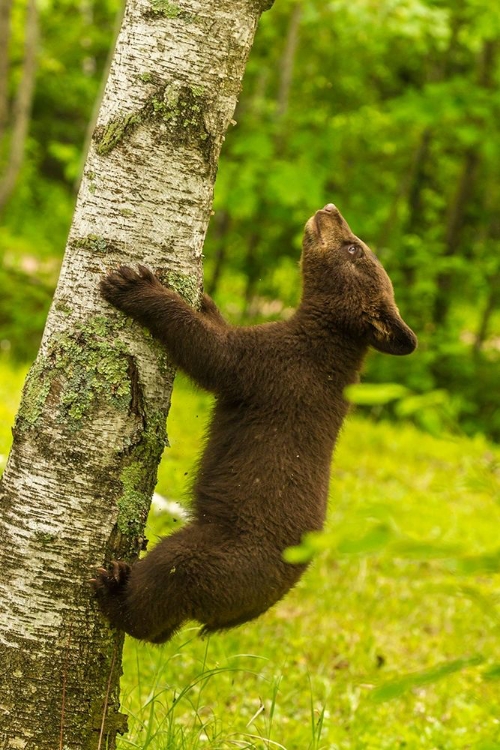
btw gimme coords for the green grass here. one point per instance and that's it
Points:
(391, 640)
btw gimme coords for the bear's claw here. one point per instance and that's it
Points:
(109, 580)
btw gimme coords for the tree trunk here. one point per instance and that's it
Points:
(411, 188)
(222, 222)
(456, 220)
(466, 187)
(91, 427)
(252, 270)
(288, 61)
(97, 102)
(492, 302)
(5, 13)
(490, 306)
(22, 105)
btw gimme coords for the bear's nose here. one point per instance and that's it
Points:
(330, 207)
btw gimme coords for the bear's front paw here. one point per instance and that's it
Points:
(125, 287)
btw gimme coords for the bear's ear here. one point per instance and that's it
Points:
(389, 333)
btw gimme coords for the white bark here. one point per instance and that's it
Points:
(90, 430)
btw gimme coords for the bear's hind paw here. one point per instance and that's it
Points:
(111, 580)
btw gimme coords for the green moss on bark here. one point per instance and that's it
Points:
(95, 367)
(138, 477)
(134, 502)
(63, 307)
(98, 245)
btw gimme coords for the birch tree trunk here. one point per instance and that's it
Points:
(91, 427)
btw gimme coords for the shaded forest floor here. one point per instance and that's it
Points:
(389, 641)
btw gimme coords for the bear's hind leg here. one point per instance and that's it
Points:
(201, 572)
(110, 586)
(112, 589)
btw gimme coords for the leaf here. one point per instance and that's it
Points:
(375, 394)
(311, 543)
(414, 549)
(477, 564)
(297, 555)
(492, 673)
(374, 540)
(396, 688)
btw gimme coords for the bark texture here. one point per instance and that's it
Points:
(91, 426)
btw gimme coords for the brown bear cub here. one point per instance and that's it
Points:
(263, 477)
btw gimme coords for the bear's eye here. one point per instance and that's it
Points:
(354, 250)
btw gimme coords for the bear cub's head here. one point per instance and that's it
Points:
(345, 282)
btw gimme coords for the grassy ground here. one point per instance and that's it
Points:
(389, 641)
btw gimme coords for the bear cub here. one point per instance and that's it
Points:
(263, 478)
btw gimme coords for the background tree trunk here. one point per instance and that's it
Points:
(5, 13)
(288, 61)
(222, 222)
(466, 187)
(91, 427)
(22, 105)
(97, 103)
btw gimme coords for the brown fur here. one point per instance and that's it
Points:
(263, 477)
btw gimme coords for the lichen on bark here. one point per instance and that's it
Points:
(184, 284)
(180, 110)
(82, 365)
(166, 8)
(108, 137)
(93, 243)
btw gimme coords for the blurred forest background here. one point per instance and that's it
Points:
(388, 108)
(391, 110)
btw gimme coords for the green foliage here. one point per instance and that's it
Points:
(390, 109)
(24, 301)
